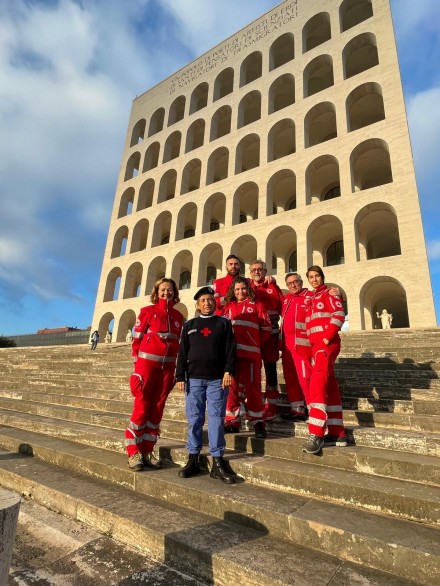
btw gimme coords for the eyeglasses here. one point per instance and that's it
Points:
(258, 270)
(290, 283)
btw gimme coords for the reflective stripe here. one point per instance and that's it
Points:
(270, 388)
(302, 342)
(248, 348)
(334, 422)
(192, 331)
(296, 404)
(235, 413)
(267, 328)
(156, 358)
(243, 322)
(138, 335)
(272, 312)
(271, 401)
(255, 413)
(146, 437)
(300, 325)
(316, 329)
(132, 425)
(320, 406)
(151, 425)
(319, 314)
(164, 335)
(332, 408)
(139, 376)
(336, 321)
(315, 421)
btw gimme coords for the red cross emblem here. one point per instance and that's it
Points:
(205, 332)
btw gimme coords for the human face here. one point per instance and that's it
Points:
(258, 273)
(315, 279)
(294, 284)
(206, 304)
(165, 291)
(241, 291)
(233, 267)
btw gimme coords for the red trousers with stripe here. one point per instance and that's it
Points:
(324, 399)
(245, 389)
(150, 387)
(297, 370)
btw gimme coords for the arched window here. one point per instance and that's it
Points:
(335, 254)
(214, 226)
(189, 232)
(332, 193)
(293, 262)
(211, 275)
(185, 280)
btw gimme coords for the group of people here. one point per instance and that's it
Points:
(216, 360)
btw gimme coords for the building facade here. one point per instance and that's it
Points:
(287, 142)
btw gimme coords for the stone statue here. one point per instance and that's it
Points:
(108, 337)
(129, 336)
(386, 319)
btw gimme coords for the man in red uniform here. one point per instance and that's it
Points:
(324, 318)
(295, 346)
(222, 285)
(271, 297)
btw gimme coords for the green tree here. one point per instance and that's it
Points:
(7, 342)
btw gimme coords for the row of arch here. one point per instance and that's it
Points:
(360, 54)
(369, 163)
(364, 106)
(374, 295)
(376, 234)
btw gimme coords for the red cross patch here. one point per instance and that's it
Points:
(206, 332)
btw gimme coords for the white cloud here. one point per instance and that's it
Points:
(433, 250)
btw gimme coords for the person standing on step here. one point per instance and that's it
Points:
(154, 349)
(205, 365)
(271, 297)
(221, 286)
(94, 339)
(252, 329)
(324, 318)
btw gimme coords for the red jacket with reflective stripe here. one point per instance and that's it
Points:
(251, 325)
(293, 322)
(271, 297)
(221, 287)
(157, 333)
(324, 315)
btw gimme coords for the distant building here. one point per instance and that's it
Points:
(289, 142)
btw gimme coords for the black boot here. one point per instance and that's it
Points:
(191, 468)
(218, 471)
(228, 468)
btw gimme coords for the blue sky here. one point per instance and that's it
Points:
(69, 70)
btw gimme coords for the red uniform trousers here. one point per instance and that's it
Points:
(150, 387)
(245, 387)
(297, 371)
(270, 355)
(325, 408)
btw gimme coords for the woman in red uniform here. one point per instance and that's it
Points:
(324, 318)
(155, 348)
(252, 328)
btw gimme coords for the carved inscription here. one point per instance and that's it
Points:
(272, 22)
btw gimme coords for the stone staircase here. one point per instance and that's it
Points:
(365, 514)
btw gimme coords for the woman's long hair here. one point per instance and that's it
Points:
(230, 295)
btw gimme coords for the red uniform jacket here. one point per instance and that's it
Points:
(221, 287)
(251, 325)
(293, 321)
(324, 315)
(271, 297)
(157, 334)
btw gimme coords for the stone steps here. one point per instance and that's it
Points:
(289, 527)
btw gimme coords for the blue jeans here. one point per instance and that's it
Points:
(200, 392)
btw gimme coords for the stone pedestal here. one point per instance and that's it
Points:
(9, 508)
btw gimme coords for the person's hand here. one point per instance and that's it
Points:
(181, 386)
(334, 291)
(227, 380)
(269, 279)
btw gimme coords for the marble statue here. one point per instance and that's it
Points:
(385, 318)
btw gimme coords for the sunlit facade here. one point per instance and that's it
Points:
(288, 142)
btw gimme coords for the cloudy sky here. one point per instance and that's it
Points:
(69, 70)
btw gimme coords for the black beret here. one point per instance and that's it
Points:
(204, 291)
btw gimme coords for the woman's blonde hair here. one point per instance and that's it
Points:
(154, 297)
